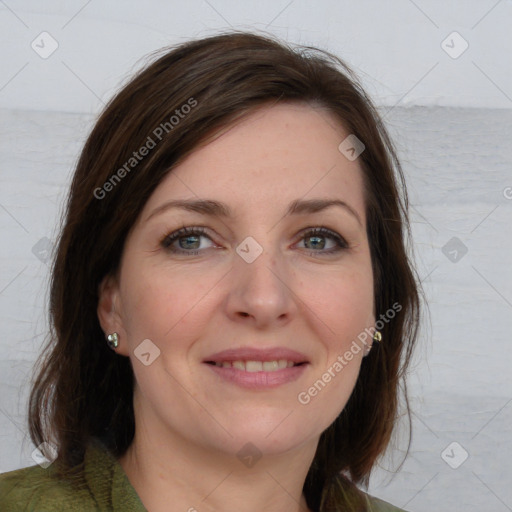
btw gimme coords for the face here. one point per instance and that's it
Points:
(228, 322)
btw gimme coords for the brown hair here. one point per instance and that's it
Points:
(83, 389)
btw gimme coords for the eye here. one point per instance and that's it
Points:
(189, 241)
(188, 238)
(315, 239)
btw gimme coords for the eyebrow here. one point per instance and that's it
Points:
(214, 208)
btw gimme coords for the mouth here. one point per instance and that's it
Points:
(258, 368)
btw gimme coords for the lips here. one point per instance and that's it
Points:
(258, 368)
(262, 355)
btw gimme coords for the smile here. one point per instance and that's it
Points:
(256, 366)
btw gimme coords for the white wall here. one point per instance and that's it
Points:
(452, 121)
(396, 45)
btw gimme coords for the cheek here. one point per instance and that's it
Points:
(345, 315)
(344, 303)
(162, 303)
(146, 299)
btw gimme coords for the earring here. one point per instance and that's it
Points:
(377, 338)
(113, 340)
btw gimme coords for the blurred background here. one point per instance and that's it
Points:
(441, 75)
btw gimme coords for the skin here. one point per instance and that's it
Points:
(190, 424)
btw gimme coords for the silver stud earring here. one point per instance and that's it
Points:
(113, 340)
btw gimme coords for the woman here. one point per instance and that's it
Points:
(232, 304)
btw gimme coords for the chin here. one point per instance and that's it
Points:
(269, 436)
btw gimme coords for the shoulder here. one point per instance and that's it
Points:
(378, 505)
(101, 485)
(35, 488)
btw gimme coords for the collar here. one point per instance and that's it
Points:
(107, 481)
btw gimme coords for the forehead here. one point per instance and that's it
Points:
(271, 157)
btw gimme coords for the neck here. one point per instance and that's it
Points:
(167, 470)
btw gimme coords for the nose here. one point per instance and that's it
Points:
(261, 291)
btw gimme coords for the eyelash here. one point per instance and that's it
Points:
(168, 240)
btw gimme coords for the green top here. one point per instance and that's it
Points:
(106, 488)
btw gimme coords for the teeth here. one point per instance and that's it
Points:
(253, 366)
(270, 366)
(257, 366)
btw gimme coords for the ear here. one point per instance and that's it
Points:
(110, 311)
(369, 341)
